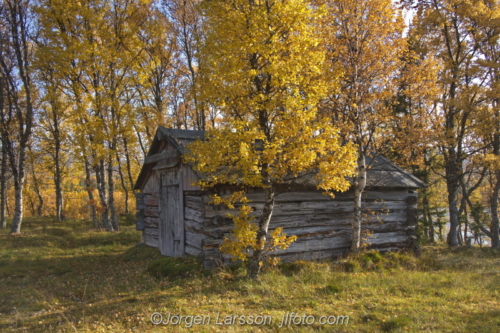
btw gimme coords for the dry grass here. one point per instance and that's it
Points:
(65, 277)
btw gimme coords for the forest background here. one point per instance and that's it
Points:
(83, 86)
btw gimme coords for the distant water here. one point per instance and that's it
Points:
(485, 240)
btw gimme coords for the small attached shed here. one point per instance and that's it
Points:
(176, 217)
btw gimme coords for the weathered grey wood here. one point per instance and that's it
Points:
(152, 184)
(387, 238)
(151, 231)
(313, 255)
(411, 230)
(318, 241)
(151, 200)
(412, 216)
(139, 201)
(150, 237)
(193, 214)
(212, 258)
(150, 241)
(139, 224)
(310, 220)
(151, 211)
(209, 232)
(175, 214)
(308, 208)
(371, 195)
(209, 243)
(387, 248)
(412, 199)
(194, 239)
(165, 164)
(161, 156)
(193, 224)
(189, 177)
(193, 202)
(290, 196)
(152, 222)
(387, 226)
(310, 230)
(171, 214)
(191, 251)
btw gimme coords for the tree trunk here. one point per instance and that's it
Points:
(265, 218)
(466, 225)
(425, 228)
(122, 180)
(495, 225)
(3, 189)
(101, 187)
(129, 169)
(440, 228)
(111, 195)
(31, 205)
(88, 184)
(359, 186)
(452, 238)
(36, 185)
(432, 232)
(59, 193)
(7, 208)
(428, 218)
(18, 173)
(57, 168)
(459, 233)
(139, 138)
(18, 211)
(495, 242)
(453, 185)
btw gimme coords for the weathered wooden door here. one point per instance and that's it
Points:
(171, 233)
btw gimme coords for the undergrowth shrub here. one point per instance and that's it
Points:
(332, 289)
(375, 261)
(175, 268)
(140, 253)
(128, 219)
(292, 268)
(396, 324)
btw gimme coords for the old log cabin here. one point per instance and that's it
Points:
(176, 216)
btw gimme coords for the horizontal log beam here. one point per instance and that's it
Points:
(161, 156)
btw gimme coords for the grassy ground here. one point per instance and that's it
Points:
(65, 277)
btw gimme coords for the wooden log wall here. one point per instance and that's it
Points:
(150, 210)
(322, 225)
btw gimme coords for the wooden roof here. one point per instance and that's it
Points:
(381, 171)
(179, 138)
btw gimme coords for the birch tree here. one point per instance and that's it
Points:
(18, 31)
(364, 40)
(443, 28)
(265, 72)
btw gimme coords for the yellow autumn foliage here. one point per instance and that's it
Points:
(265, 73)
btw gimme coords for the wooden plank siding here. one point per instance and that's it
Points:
(322, 225)
(171, 223)
(175, 216)
(189, 177)
(150, 234)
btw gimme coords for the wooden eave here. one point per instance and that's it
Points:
(178, 138)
